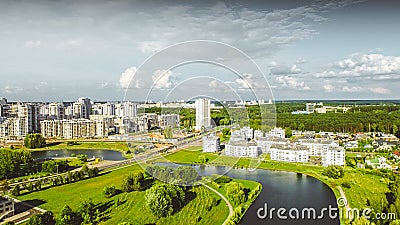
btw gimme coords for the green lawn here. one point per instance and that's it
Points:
(133, 208)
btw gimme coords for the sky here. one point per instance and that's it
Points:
(62, 50)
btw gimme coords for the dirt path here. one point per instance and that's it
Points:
(231, 212)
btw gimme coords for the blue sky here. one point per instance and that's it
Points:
(61, 50)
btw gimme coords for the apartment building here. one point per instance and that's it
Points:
(289, 153)
(211, 143)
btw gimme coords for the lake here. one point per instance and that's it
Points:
(280, 189)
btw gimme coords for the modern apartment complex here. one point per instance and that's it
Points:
(281, 148)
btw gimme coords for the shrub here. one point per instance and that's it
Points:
(334, 172)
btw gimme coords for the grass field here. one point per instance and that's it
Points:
(133, 207)
(363, 186)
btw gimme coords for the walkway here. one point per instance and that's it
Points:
(231, 212)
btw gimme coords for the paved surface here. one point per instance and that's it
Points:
(231, 212)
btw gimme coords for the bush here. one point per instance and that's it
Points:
(346, 184)
(110, 191)
(334, 172)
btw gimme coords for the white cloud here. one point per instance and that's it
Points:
(329, 88)
(351, 89)
(33, 44)
(285, 70)
(246, 81)
(213, 84)
(292, 82)
(379, 90)
(70, 45)
(150, 46)
(369, 66)
(162, 79)
(126, 77)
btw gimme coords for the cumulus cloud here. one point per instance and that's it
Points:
(126, 77)
(151, 46)
(33, 44)
(370, 66)
(285, 70)
(213, 84)
(379, 90)
(247, 81)
(162, 79)
(292, 82)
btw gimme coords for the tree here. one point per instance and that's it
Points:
(68, 217)
(185, 175)
(34, 141)
(168, 134)
(235, 192)
(164, 199)
(46, 218)
(203, 159)
(110, 191)
(87, 211)
(333, 171)
(85, 169)
(133, 182)
(16, 190)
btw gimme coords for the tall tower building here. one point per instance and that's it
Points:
(203, 117)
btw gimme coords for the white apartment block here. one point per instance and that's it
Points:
(14, 128)
(211, 144)
(244, 132)
(242, 149)
(126, 109)
(168, 120)
(75, 128)
(317, 147)
(266, 142)
(289, 153)
(203, 115)
(334, 155)
(258, 134)
(277, 132)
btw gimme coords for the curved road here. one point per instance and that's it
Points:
(231, 212)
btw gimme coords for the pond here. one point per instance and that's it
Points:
(63, 153)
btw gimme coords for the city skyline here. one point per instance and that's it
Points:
(306, 49)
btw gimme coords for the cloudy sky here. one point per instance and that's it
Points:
(61, 50)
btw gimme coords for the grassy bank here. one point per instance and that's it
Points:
(133, 208)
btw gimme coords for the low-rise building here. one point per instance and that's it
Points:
(333, 155)
(277, 132)
(211, 143)
(289, 153)
(242, 148)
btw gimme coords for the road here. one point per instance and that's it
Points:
(231, 212)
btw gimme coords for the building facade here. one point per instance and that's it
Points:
(203, 115)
